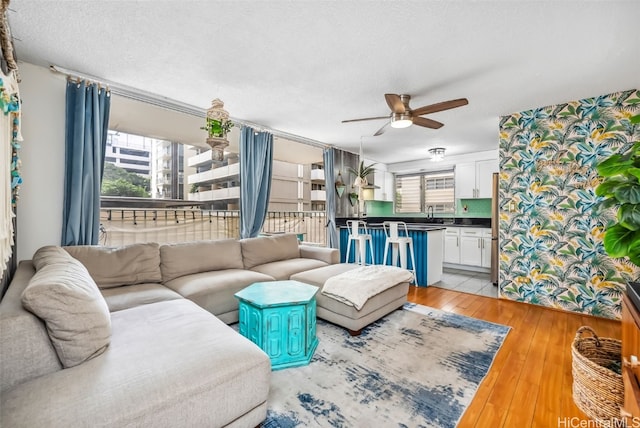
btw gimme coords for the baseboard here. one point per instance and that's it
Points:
(466, 267)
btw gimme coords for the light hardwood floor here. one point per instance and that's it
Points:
(529, 384)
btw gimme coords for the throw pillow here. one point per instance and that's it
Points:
(267, 249)
(76, 315)
(127, 265)
(49, 255)
(202, 256)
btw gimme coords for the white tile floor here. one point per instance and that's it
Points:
(468, 282)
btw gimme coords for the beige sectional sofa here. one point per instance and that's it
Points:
(167, 358)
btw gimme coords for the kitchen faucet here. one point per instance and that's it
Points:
(430, 207)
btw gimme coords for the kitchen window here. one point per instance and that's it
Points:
(415, 193)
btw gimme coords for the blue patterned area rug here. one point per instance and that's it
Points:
(416, 367)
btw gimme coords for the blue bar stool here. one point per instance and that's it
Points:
(398, 239)
(361, 240)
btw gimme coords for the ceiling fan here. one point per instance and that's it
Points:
(402, 116)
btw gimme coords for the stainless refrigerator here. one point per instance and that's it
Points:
(495, 212)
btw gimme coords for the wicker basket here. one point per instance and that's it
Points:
(597, 390)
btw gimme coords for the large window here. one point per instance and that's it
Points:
(417, 193)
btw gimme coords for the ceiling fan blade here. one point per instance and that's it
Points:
(427, 123)
(395, 103)
(381, 130)
(445, 105)
(366, 118)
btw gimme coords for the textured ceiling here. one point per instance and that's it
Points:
(302, 67)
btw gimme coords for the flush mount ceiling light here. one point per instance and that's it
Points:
(437, 154)
(401, 120)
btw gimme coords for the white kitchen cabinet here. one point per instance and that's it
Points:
(468, 247)
(383, 180)
(484, 177)
(471, 246)
(486, 248)
(474, 179)
(465, 180)
(452, 245)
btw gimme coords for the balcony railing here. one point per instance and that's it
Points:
(123, 226)
(317, 175)
(217, 174)
(318, 195)
(223, 194)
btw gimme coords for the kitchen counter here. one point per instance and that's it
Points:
(428, 248)
(427, 227)
(426, 221)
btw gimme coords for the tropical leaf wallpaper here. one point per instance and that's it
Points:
(551, 250)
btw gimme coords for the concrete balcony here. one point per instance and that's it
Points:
(201, 159)
(216, 195)
(318, 195)
(218, 174)
(317, 175)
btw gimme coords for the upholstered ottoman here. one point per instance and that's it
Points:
(346, 315)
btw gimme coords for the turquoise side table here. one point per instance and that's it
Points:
(280, 317)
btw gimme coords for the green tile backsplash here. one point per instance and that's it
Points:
(475, 207)
(379, 209)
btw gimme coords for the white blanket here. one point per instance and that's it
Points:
(356, 286)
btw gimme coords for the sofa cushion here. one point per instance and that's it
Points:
(129, 296)
(75, 313)
(214, 290)
(283, 269)
(26, 352)
(48, 255)
(170, 364)
(319, 276)
(201, 256)
(113, 267)
(267, 249)
(326, 254)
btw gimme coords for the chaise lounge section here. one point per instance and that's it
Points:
(344, 314)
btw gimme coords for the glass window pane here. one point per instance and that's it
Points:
(439, 191)
(408, 193)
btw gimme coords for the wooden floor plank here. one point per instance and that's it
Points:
(530, 381)
(548, 406)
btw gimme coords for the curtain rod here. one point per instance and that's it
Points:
(171, 104)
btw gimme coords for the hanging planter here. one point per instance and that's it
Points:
(340, 186)
(217, 127)
(353, 198)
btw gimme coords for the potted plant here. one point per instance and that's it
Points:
(360, 181)
(353, 198)
(621, 187)
(361, 174)
(217, 128)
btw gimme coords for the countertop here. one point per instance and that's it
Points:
(424, 221)
(410, 226)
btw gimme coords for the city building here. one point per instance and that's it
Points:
(129, 151)
(294, 187)
(168, 169)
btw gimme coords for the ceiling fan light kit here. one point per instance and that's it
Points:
(437, 154)
(401, 120)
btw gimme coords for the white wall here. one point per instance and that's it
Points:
(42, 155)
(447, 162)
